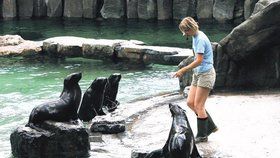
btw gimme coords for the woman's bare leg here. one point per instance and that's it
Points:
(199, 102)
(191, 98)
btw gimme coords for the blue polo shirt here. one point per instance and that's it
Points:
(201, 44)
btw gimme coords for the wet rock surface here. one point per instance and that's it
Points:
(124, 51)
(132, 51)
(53, 139)
(106, 126)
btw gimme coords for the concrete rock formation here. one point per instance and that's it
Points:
(57, 139)
(219, 10)
(147, 9)
(25, 9)
(113, 9)
(249, 55)
(73, 9)
(8, 9)
(54, 8)
(39, 8)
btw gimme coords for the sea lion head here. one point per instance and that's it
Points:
(115, 78)
(73, 78)
(176, 109)
(99, 83)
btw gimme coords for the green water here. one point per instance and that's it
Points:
(27, 84)
(163, 33)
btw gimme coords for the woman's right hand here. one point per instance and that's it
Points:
(178, 74)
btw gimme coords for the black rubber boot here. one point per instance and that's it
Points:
(211, 125)
(202, 124)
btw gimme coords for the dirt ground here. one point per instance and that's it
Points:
(249, 126)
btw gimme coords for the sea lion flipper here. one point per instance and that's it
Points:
(195, 153)
(33, 126)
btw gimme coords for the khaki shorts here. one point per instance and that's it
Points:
(205, 79)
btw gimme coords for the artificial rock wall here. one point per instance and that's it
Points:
(219, 10)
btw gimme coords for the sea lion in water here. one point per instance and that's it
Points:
(92, 101)
(180, 142)
(111, 91)
(62, 110)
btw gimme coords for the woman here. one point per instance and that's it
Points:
(203, 80)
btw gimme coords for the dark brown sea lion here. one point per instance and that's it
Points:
(180, 142)
(62, 110)
(111, 91)
(92, 101)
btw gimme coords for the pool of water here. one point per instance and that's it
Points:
(159, 33)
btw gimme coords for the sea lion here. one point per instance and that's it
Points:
(180, 142)
(92, 101)
(111, 91)
(62, 110)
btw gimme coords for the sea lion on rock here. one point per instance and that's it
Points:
(111, 91)
(180, 142)
(62, 110)
(92, 101)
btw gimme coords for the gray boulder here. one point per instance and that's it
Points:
(223, 10)
(147, 9)
(65, 46)
(249, 55)
(69, 50)
(164, 8)
(53, 139)
(8, 40)
(89, 9)
(238, 12)
(9, 10)
(113, 9)
(39, 8)
(183, 8)
(98, 51)
(73, 9)
(205, 9)
(261, 4)
(25, 9)
(50, 48)
(14, 45)
(107, 125)
(249, 6)
(131, 9)
(54, 8)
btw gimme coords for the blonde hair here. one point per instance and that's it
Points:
(188, 23)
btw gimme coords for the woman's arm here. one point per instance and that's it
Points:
(192, 65)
